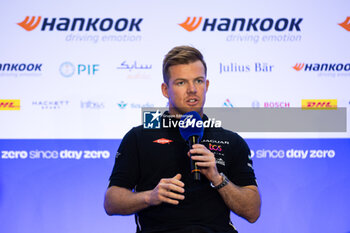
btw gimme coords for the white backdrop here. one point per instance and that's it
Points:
(318, 40)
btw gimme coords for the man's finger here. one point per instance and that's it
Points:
(172, 187)
(198, 146)
(201, 158)
(177, 177)
(176, 180)
(205, 164)
(173, 195)
(169, 200)
(199, 151)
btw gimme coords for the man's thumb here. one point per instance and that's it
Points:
(178, 176)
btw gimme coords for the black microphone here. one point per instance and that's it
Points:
(191, 129)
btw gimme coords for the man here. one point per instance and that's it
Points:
(154, 163)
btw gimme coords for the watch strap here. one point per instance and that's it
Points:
(224, 182)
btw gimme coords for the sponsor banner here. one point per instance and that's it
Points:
(330, 69)
(290, 173)
(81, 24)
(239, 68)
(10, 104)
(319, 104)
(68, 69)
(248, 29)
(58, 149)
(50, 104)
(135, 69)
(104, 149)
(21, 69)
(92, 30)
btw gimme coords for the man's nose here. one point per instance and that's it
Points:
(192, 88)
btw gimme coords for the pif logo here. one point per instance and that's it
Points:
(319, 104)
(30, 25)
(10, 105)
(67, 69)
(346, 24)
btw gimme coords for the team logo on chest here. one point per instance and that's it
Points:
(163, 141)
(214, 147)
(217, 149)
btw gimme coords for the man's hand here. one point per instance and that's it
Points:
(244, 201)
(206, 163)
(167, 191)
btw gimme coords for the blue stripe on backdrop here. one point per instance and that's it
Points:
(58, 186)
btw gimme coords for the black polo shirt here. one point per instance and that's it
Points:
(145, 156)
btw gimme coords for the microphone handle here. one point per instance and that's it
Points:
(194, 169)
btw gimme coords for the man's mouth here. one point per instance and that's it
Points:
(192, 101)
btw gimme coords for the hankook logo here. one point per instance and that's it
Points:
(30, 25)
(81, 24)
(346, 24)
(322, 67)
(298, 66)
(193, 25)
(242, 24)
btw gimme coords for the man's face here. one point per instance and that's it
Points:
(187, 88)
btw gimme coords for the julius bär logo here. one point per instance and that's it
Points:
(193, 25)
(163, 141)
(30, 25)
(10, 105)
(298, 66)
(346, 24)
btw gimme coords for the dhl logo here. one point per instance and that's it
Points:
(299, 66)
(346, 24)
(191, 26)
(10, 105)
(30, 25)
(319, 104)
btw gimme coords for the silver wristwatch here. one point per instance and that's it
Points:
(224, 182)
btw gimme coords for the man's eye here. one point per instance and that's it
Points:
(200, 81)
(180, 83)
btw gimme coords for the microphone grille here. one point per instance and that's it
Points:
(188, 125)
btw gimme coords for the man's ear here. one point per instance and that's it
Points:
(165, 90)
(207, 84)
